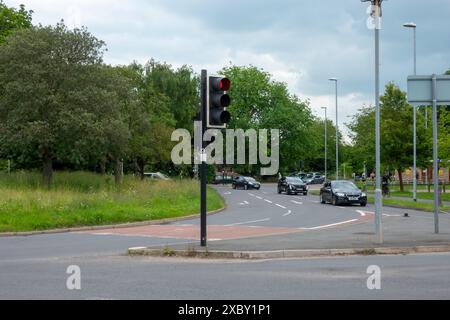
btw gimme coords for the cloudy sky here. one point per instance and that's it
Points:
(301, 42)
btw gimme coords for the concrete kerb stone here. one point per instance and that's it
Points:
(284, 254)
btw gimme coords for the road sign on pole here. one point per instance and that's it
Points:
(431, 90)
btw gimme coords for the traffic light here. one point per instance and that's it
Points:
(218, 100)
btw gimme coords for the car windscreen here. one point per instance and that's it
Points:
(294, 180)
(344, 186)
(250, 180)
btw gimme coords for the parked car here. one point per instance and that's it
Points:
(342, 192)
(156, 176)
(292, 185)
(314, 178)
(246, 183)
(220, 179)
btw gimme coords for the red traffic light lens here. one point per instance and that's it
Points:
(225, 84)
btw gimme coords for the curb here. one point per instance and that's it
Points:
(283, 254)
(115, 226)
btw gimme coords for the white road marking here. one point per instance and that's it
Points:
(296, 202)
(331, 225)
(227, 193)
(248, 222)
(342, 208)
(251, 195)
(362, 213)
(246, 202)
(260, 198)
(280, 206)
(268, 201)
(287, 214)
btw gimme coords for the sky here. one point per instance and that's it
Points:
(300, 42)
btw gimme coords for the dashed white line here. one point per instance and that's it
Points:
(260, 198)
(280, 206)
(362, 213)
(288, 213)
(246, 202)
(248, 222)
(296, 202)
(251, 195)
(268, 201)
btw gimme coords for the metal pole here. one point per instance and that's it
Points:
(435, 157)
(415, 122)
(326, 143)
(378, 193)
(203, 166)
(337, 133)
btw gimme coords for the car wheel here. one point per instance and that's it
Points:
(279, 190)
(233, 187)
(322, 201)
(305, 193)
(246, 187)
(335, 201)
(363, 204)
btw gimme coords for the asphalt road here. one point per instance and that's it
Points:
(115, 277)
(35, 267)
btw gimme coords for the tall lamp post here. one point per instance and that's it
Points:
(413, 26)
(335, 80)
(376, 16)
(326, 142)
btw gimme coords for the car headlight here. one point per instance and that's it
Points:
(364, 195)
(340, 195)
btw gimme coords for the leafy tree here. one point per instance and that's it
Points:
(149, 120)
(57, 101)
(396, 133)
(12, 19)
(261, 103)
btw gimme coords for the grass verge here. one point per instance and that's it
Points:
(84, 199)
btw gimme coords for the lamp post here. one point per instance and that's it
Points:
(326, 142)
(413, 26)
(335, 80)
(376, 16)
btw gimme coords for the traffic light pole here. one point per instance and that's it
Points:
(203, 166)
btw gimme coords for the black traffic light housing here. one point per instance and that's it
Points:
(218, 100)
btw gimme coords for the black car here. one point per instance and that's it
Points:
(223, 180)
(342, 192)
(292, 185)
(314, 178)
(246, 183)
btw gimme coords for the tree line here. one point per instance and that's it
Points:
(62, 107)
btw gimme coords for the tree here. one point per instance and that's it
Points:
(57, 100)
(396, 133)
(149, 120)
(261, 103)
(12, 19)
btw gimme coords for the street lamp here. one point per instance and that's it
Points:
(413, 26)
(376, 15)
(335, 80)
(326, 142)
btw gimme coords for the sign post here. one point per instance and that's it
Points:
(434, 90)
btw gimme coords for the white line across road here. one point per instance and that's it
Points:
(296, 202)
(248, 222)
(331, 225)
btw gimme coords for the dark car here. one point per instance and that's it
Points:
(292, 185)
(246, 183)
(314, 178)
(342, 192)
(223, 180)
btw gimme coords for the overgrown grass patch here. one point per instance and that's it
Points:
(84, 199)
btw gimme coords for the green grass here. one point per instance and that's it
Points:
(85, 199)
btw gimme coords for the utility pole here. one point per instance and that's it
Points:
(414, 27)
(335, 80)
(326, 143)
(376, 15)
